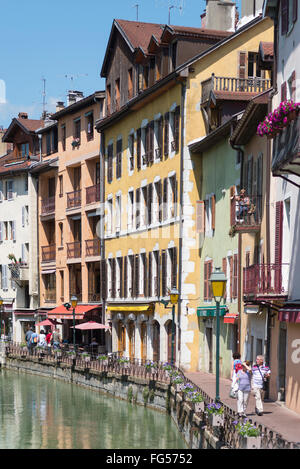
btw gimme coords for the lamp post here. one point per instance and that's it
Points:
(174, 295)
(1, 303)
(74, 304)
(218, 284)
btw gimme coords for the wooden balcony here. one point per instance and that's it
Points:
(74, 250)
(74, 199)
(233, 85)
(92, 247)
(49, 253)
(93, 194)
(265, 280)
(246, 214)
(48, 205)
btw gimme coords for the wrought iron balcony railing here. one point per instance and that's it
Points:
(93, 194)
(92, 247)
(74, 250)
(48, 205)
(74, 199)
(246, 211)
(49, 253)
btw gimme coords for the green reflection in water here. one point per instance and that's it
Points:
(37, 412)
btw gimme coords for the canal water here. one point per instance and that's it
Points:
(43, 413)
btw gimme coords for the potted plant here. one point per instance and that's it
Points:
(86, 357)
(186, 389)
(215, 413)
(76, 142)
(249, 433)
(23, 347)
(58, 353)
(103, 359)
(197, 399)
(124, 362)
(167, 369)
(178, 382)
(151, 366)
(71, 354)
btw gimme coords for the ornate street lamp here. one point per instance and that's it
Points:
(218, 284)
(174, 296)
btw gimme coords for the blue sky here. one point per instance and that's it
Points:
(55, 38)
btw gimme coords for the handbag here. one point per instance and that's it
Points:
(233, 393)
(265, 382)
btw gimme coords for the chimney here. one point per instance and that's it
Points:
(220, 15)
(23, 115)
(74, 96)
(250, 9)
(59, 106)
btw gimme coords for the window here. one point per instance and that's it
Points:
(131, 151)
(25, 218)
(63, 137)
(117, 95)
(119, 275)
(77, 129)
(207, 286)
(4, 279)
(119, 160)
(62, 286)
(138, 148)
(109, 216)
(144, 206)
(173, 261)
(8, 190)
(158, 138)
(164, 273)
(156, 270)
(131, 276)
(166, 135)
(90, 126)
(235, 277)
(157, 212)
(25, 150)
(6, 230)
(144, 276)
(173, 196)
(118, 213)
(165, 198)
(61, 234)
(137, 208)
(130, 222)
(130, 83)
(289, 15)
(26, 183)
(110, 163)
(61, 189)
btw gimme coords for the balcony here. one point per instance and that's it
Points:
(74, 199)
(233, 85)
(286, 149)
(74, 250)
(265, 280)
(49, 253)
(93, 194)
(246, 213)
(50, 295)
(48, 206)
(92, 247)
(19, 272)
(94, 297)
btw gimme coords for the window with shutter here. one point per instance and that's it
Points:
(151, 143)
(137, 208)
(136, 276)
(173, 253)
(176, 128)
(166, 135)
(213, 212)
(242, 68)
(165, 199)
(145, 274)
(164, 273)
(139, 149)
(160, 202)
(230, 259)
(278, 245)
(283, 91)
(110, 163)
(149, 204)
(207, 275)
(125, 283)
(119, 160)
(120, 279)
(235, 277)
(150, 279)
(113, 277)
(157, 271)
(159, 149)
(284, 16)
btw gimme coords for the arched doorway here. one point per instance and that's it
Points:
(169, 341)
(121, 338)
(143, 341)
(131, 338)
(156, 341)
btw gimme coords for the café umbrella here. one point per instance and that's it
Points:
(47, 322)
(90, 325)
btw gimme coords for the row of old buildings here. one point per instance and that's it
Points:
(121, 196)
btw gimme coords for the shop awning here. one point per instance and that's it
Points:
(131, 308)
(230, 318)
(62, 313)
(210, 311)
(289, 315)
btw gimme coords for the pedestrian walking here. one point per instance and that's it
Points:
(260, 374)
(235, 366)
(56, 338)
(28, 336)
(42, 339)
(243, 378)
(33, 341)
(49, 338)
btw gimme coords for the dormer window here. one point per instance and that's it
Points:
(25, 150)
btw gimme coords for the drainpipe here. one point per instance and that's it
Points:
(238, 148)
(102, 214)
(182, 110)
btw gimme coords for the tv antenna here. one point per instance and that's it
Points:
(44, 96)
(75, 76)
(180, 8)
(137, 10)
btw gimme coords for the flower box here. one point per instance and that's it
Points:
(179, 386)
(216, 420)
(198, 406)
(251, 442)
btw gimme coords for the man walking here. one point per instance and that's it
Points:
(28, 337)
(260, 374)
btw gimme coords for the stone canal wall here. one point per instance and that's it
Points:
(138, 391)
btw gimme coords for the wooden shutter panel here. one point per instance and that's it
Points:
(163, 273)
(137, 208)
(158, 272)
(166, 135)
(14, 230)
(136, 275)
(119, 159)
(175, 196)
(121, 292)
(224, 268)
(103, 285)
(278, 244)
(205, 281)
(139, 148)
(213, 212)
(151, 143)
(200, 216)
(1, 230)
(283, 91)
(295, 10)
(145, 268)
(113, 278)
(293, 90)
(149, 203)
(174, 268)
(232, 206)
(235, 275)
(284, 16)
(1, 191)
(125, 283)
(150, 279)
(159, 193)
(242, 65)
(231, 276)
(110, 163)
(160, 136)
(176, 128)
(165, 199)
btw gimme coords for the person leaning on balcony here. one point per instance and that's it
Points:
(243, 377)
(244, 204)
(260, 375)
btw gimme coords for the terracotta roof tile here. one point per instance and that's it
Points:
(139, 34)
(8, 167)
(200, 31)
(31, 124)
(267, 48)
(234, 95)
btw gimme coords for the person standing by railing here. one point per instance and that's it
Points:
(260, 375)
(243, 378)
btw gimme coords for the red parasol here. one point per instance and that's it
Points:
(90, 325)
